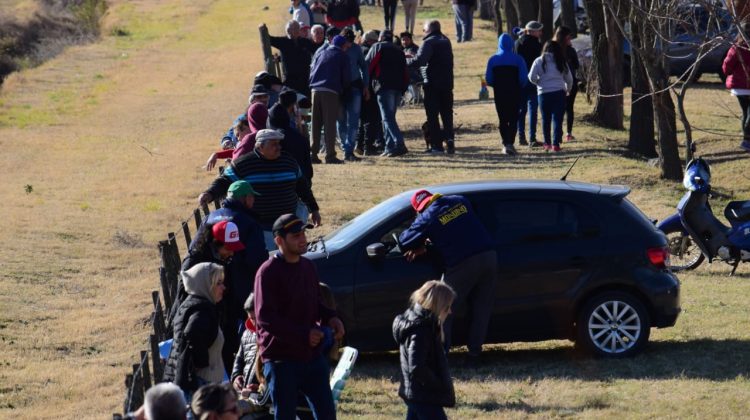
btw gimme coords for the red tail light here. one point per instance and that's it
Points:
(659, 257)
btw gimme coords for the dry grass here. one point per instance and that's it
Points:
(76, 275)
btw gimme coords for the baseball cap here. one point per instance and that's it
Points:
(287, 97)
(289, 223)
(420, 199)
(240, 189)
(338, 41)
(534, 26)
(226, 232)
(267, 134)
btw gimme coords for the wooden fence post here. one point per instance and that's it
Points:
(186, 234)
(217, 204)
(265, 42)
(156, 359)
(146, 371)
(197, 215)
(136, 399)
(128, 391)
(205, 209)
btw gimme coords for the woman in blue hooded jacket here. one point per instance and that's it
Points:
(506, 73)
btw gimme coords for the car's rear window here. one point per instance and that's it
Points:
(637, 216)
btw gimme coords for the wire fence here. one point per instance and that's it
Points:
(150, 368)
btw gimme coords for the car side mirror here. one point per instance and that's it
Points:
(376, 250)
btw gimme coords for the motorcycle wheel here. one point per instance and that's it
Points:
(684, 252)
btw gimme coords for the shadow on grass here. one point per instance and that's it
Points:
(716, 360)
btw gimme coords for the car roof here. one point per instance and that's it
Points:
(614, 191)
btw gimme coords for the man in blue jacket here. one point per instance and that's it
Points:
(506, 73)
(329, 80)
(467, 249)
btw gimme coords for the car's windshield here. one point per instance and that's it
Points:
(360, 225)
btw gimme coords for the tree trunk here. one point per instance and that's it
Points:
(545, 17)
(568, 16)
(664, 116)
(527, 10)
(606, 46)
(498, 17)
(641, 138)
(510, 12)
(485, 10)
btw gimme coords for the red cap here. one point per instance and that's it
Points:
(226, 232)
(420, 199)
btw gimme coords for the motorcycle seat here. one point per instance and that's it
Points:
(737, 212)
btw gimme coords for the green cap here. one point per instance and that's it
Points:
(240, 189)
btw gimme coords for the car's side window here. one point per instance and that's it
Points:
(523, 221)
(388, 240)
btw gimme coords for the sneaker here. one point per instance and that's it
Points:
(509, 150)
(745, 145)
(569, 137)
(371, 151)
(534, 143)
(352, 158)
(547, 147)
(315, 159)
(436, 151)
(451, 147)
(556, 148)
(398, 152)
(522, 141)
(360, 150)
(334, 161)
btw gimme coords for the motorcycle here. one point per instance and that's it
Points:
(694, 233)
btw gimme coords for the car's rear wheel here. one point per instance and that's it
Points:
(684, 253)
(614, 325)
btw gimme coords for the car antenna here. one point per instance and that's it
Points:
(565, 177)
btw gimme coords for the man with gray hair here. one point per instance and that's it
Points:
(164, 401)
(435, 61)
(296, 54)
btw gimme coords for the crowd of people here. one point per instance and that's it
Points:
(265, 325)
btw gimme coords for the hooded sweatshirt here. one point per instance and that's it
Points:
(506, 64)
(197, 282)
(257, 115)
(548, 78)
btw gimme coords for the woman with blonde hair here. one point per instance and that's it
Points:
(195, 358)
(426, 385)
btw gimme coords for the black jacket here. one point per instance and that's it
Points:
(196, 325)
(244, 362)
(435, 60)
(294, 142)
(387, 66)
(424, 366)
(529, 48)
(296, 56)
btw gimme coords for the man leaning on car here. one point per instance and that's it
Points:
(466, 247)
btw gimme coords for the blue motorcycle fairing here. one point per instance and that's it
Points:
(672, 223)
(740, 236)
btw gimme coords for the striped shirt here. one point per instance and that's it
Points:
(279, 182)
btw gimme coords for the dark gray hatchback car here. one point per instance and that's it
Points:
(576, 261)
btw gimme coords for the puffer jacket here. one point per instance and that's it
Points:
(424, 366)
(244, 362)
(196, 326)
(736, 67)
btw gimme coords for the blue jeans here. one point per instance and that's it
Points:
(286, 379)
(553, 109)
(464, 22)
(348, 123)
(388, 100)
(421, 411)
(528, 101)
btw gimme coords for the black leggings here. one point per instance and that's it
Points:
(389, 10)
(570, 100)
(506, 106)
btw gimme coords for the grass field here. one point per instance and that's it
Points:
(102, 154)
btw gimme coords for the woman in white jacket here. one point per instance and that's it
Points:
(553, 81)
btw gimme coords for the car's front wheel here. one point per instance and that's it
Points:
(614, 325)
